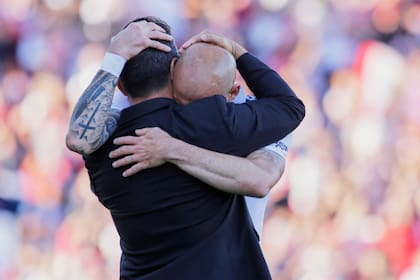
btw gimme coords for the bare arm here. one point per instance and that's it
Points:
(93, 120)
(252, 176)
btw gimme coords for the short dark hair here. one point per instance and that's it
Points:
(150, 69)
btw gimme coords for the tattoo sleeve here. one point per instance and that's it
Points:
(93, 120)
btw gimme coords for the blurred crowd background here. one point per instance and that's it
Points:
(348, 205)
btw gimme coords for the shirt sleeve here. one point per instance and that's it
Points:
(280, 147)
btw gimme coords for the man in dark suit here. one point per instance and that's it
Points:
(171, 225)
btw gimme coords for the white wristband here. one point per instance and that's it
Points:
(113, 64)
(279, 148)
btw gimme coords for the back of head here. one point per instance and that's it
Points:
(203, 70)
(149, 70)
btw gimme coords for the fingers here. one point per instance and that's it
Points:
(126, 140)
(123, 151)
(145, 25)
(208, 37)
(195, 39)
(150, 32)
(216, 39)
(135, 169)
(149, 131)
(158, 45)
(201, 37)
(129, 143)
(155, 26)
(130, 159)
(142, 131)
(157, 35)
(156, 32)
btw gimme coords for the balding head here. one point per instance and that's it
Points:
(203, 70)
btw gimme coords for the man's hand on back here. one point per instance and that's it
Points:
(150, 148)
(138, 36)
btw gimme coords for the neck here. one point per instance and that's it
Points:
(163, 93)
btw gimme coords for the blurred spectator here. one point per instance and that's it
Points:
(348, 206)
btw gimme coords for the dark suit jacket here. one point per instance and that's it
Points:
(173, 226)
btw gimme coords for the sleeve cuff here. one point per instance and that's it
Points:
(243, 57)
(113, 64)
(279, 148)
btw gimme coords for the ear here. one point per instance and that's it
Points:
(233, 92)
(121, 87)
(171, 69)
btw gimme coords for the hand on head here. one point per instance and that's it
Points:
(138, 36)
(206, 68)
(201, 71)
(216, 39)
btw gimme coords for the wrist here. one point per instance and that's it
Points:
(113, 63)
(173, 151)
(118, 51)
(237, 50)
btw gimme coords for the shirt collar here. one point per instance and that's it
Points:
(145, 107)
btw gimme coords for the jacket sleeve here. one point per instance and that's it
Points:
(240, 129)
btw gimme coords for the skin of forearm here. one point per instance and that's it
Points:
(251, 176)
(93, 120)
(271, 165)
(237, 50)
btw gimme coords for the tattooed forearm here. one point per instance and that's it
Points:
(86, 126)
(110, 124)
(93, 121)
(103, 83)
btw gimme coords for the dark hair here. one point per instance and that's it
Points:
(150, 69)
